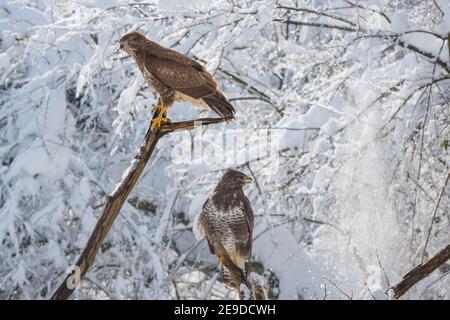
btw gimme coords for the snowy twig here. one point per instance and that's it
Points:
(448, 45)
(117, 198)
(319, 13)
(436, 207)
(420, 272)
(209, 286)
(349, 297)
(355, 5)
(395, 37)
(385, 274)
(425, 54)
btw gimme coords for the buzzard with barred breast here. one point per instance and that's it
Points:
(227, 217)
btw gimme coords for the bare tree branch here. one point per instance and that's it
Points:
(317, 24)
(436, 207)
(420, 272)
(426, 54)
(117, 198)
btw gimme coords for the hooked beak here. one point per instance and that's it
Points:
(247, 179)
(122, 44)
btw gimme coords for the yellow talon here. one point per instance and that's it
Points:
(160, 111)
(156, 123)
(220, 261)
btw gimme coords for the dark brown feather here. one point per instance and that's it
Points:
(218, 103)
(169, 72)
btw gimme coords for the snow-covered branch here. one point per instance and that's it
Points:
(117, 198)
(420, 272)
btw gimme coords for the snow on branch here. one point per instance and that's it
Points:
(354, 27)
(116, 200)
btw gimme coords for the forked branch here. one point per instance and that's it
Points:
(116, 200)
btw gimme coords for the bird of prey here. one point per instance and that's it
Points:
(175, 77)
(227, 217)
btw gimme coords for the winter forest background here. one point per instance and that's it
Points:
(348, 101)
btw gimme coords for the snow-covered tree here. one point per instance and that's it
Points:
(343, 121)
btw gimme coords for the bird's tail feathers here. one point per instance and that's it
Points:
(225, 274)
(219, 104)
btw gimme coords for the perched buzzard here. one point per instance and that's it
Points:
(227, 217)
(175, 77)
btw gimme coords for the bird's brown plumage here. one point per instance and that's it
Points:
(227, 217)
(174, 76)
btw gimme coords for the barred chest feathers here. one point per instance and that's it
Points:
(222, 220)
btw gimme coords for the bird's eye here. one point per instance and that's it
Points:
(131, 40)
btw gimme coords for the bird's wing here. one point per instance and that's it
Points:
(204, 228)
(244, 234)
(250, 217)
(180, 73)
(246, 230)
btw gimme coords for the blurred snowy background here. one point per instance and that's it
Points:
(355, 97)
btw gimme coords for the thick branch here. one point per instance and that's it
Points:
(117, 198)
(420, 272)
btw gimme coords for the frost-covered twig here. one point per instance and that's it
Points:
(316, 12)
(394, 37)
(349, 296)
(434, 216)
(420, 272)
(117, 198)
(317, 24)
(385, 274)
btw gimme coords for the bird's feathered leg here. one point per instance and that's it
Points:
(233, 257)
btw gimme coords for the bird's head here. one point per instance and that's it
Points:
(131, 41)
(234, 179)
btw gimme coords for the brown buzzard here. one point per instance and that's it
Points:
(227, 217)
(175, 77)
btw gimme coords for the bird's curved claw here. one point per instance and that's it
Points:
(159, 115)
(158, 121)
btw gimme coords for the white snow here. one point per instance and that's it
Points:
(4, 61)
(342, 131)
